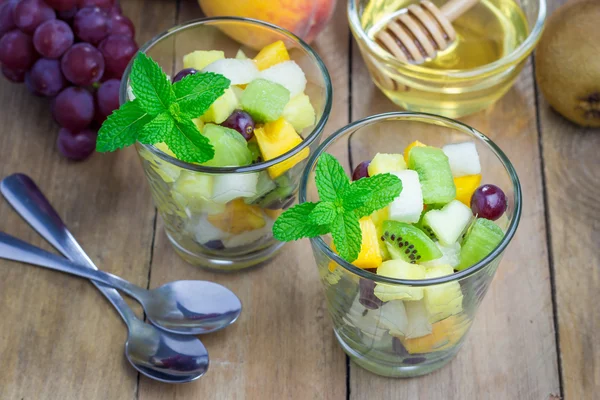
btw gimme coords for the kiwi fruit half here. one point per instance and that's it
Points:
(568, 62)
(408, 243)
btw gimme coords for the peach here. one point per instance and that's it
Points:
(306, 18)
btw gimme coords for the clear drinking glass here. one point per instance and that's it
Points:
(402, 338)
(449, 92)
(222, 231)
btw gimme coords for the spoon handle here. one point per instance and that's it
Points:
(31, 204)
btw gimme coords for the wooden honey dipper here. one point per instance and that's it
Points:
(420, 31)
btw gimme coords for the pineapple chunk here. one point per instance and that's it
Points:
(299, 112)
(442, 300)
(200, 59)
(222, 108)
(277, 138)
(370, 255)
(400, 270)
(444, 334)
(238, 217)
(271, 55)
(382, 163)
(416, 143)
(378, 217)
(465, 187)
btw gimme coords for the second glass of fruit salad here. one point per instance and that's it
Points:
(263, 128)
(403, 308)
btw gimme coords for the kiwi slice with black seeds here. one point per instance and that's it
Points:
(408, 243)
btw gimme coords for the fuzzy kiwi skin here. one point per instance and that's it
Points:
(568, 62)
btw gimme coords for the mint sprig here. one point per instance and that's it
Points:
(162, 112)
(340, 209)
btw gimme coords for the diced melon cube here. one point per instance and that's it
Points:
(465, 187)
(450, 256)
(277, 138)
(393, 317)
(264, 100)
(416, 143)
(193, 191)
(463, 158)
(272, 54)
(249, 237)
(418, 319)
(288, 74)
(445, 299)
(205, 232)
(299, 112)
(448, 223)
(369, 256)
(367, 321)
(444, 334)
(227, 187)
(399, 269)
(222, 108)
(407, 207)
(382, 163)
(200, 59)
(239, 72)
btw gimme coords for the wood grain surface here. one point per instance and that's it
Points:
(59, 339)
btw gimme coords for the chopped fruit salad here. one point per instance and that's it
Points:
(413, 216)
(218, 112)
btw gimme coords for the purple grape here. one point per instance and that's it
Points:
(367, 295)
(17, 51)
(361, 171)
(398, 347)
(7, 22)
(52, 38)
(29, 14)
(183, 73)
(83, 64)
(73, 108)
(121, 25)
(103, 4)
(14, 75)
(115, 10)
(242, 122)
(67, 15)
(117, 51)
(92, 25)
(45, 77)
(76, 146)
(215, 245)
(62, 5)
(489, 202)
(107, 99)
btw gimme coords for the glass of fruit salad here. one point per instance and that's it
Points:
(425, 254)
(219, 214)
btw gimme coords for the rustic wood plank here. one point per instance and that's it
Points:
(510, 352)
(570, 155)
(283, 344)
(59, 338)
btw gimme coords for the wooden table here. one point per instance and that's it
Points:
(535, 337)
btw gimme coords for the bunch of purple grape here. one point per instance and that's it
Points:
(72, 51)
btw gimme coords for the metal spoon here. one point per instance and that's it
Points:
(183, 307)
(159, 355)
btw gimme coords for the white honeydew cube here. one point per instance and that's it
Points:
(408, 206)
(449, 222)
(399, 269)
(288, 74)
(364, 319)
(463, 158)
(227, 187)
(445, 299)
(249, 237)
(418, 319)
(393, 317)
(239, 72)
(205, 232)
(450, 256)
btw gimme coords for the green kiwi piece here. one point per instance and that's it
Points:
(435, 176)
(425, 228)
(481, 239)
(408, 243)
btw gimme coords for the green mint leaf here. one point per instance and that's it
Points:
(294, 224)
(370, 194)
(156, 130)
(347, 235)
(195, 93)
(330, 178)
(122, 127)
(150, 85)
(188, 144)
(324, 213)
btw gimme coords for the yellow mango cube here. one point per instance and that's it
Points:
(465, 187)
(238, 217)
(416, 143)
(271, 55)
(444, 334)
(277, 138)
(369, 256)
